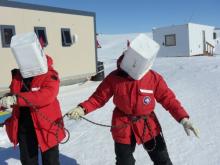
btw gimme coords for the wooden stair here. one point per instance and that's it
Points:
(208, 49)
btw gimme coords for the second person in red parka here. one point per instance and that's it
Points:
(135, 89)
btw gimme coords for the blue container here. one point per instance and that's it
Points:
(3, 117)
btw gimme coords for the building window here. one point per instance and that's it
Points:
(7, 31)
(214, 35)
(42, 35)
(170, 40)
(66, 37)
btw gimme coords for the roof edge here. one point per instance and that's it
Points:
(30, 6)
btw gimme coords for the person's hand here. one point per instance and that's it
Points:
(188, 126)
(8, 101)
(75, 113)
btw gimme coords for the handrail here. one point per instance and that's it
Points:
(209, 49)
(210, 44)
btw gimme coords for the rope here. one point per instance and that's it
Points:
(133, 120)
(147, 125)
(58, 123)
(95, 123)
(105, 125)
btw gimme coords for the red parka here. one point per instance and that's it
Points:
(46, 114)
(134, 98)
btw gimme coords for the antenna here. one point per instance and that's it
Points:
(191, 16)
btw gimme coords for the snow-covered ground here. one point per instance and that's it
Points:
(195, 81)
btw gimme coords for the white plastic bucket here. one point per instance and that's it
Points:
(29, 55)
(139, 56)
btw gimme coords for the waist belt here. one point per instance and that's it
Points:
(136, 118)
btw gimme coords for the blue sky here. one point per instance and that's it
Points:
(131, 16)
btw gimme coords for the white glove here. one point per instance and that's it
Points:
(8, 101)
(76, 112)
(187, 124)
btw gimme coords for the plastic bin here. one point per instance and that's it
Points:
(139, 56)
(29, 55)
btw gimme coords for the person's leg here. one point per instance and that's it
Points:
(160, 154)
(51, 156)
(28, 146)
(124, 153)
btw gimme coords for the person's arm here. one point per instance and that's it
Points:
(166, 97)
(101, 96)
(98, 99)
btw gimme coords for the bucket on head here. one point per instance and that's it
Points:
(139, 56)
(29, 55)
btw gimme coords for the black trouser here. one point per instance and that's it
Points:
(29, 151)
(28, 143)
(124, 152)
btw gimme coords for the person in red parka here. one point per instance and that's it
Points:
(134, 120)
(36, 120)
(36, 117)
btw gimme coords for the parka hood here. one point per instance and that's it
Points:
(49, 62)
(119, 60)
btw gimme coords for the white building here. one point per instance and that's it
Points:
(185, 40)
(217, 33)
(217, 41)
(69, 36)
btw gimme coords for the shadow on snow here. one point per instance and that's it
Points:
(8, 154)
